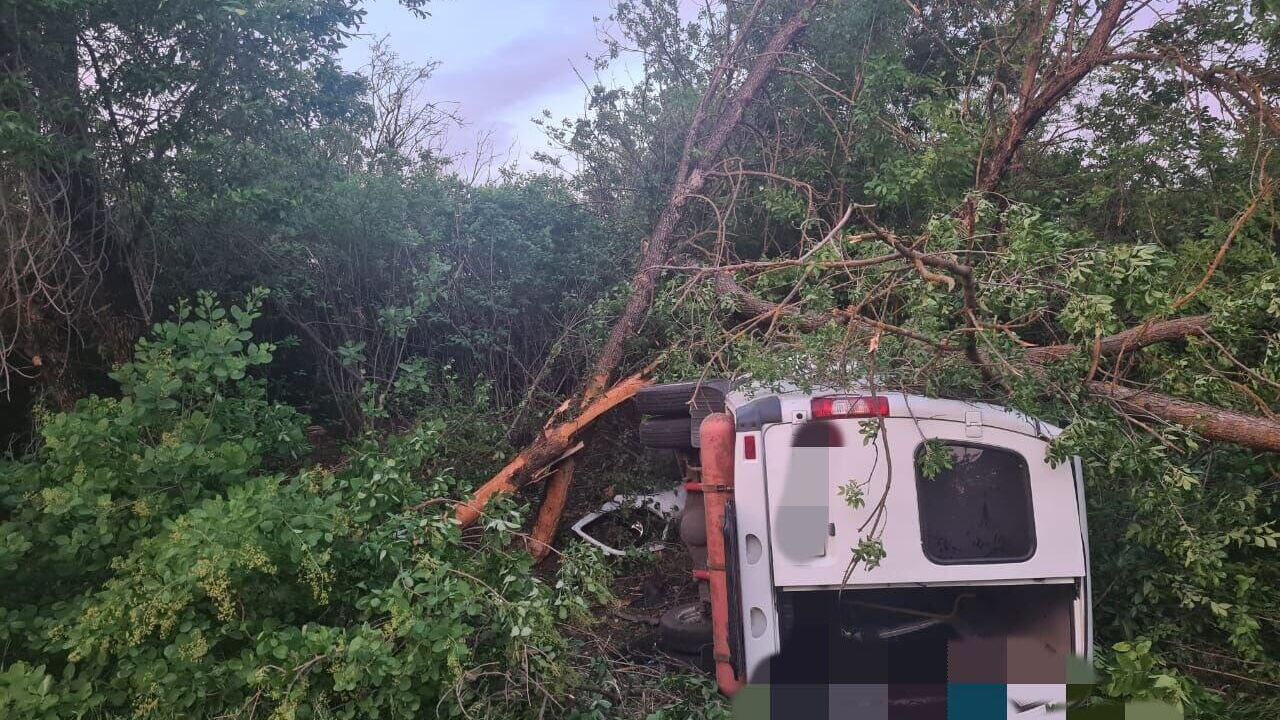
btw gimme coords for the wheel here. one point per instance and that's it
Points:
(673, 399)
(667, 433)
(685, 628)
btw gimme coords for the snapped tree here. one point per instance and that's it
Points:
(1056, 48)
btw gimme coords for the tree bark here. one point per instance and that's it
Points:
(1211, 423)
(1131, 339)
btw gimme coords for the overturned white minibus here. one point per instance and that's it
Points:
(971, 584)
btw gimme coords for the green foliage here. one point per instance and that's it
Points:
(867, 553)
(869, 430)
(853, 494)
(155, 569)
(699, 700)
(784, 205)
(190, 424)
(380, 270)
(1133, 675)
(935, 459)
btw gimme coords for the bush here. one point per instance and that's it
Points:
(156, 570)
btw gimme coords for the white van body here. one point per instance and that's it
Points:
(765, 460)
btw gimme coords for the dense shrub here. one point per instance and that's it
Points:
(155, 569)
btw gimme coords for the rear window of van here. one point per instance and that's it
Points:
(978, 510)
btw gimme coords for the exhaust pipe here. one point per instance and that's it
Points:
(718, 434)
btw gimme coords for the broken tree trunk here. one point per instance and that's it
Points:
(549, 446)
(696, 161)
(690, 177)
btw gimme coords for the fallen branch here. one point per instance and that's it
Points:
(724, 284)
(1213, 423)
(1131, 339)
(554, 501)
(566, 456)
(1208, 421)
(553, 443)
(1243, 218)
(691, 175)
(761, 266)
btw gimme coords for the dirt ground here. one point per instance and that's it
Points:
(646, 584)
(627, 635)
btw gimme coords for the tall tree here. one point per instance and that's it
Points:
(108, 105)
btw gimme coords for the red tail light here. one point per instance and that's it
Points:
(749, 447)
(848, 406)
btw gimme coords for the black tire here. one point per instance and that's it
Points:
(667, 433)
(679, 399)
(670, 400)
(685, 628)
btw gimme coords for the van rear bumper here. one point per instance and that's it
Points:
(893, 701)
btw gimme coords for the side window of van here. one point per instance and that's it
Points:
(978, 510)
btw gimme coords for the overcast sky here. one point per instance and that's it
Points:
(502, 61)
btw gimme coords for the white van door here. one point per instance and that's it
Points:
(999, 513)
